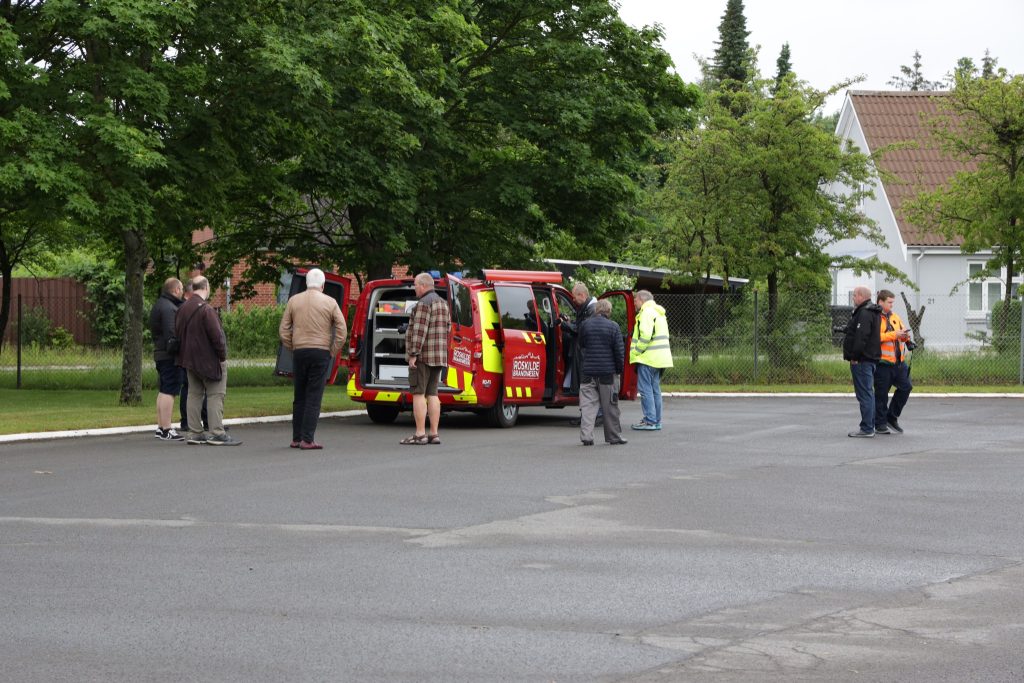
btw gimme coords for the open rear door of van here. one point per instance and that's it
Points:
(337, 287)
(524, 352)
(462, 336)
(624, 315)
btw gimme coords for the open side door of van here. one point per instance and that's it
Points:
(524, 352)
(462, 336)
(624, 315)
(336, 287)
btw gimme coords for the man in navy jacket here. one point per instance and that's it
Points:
(601, 375)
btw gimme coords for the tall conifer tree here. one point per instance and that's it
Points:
(732, 57)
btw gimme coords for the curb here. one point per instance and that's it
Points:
(110, 431)
(754, 394)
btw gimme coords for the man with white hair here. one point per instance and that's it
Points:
(313, 329)
(862, 347)
(426, 350)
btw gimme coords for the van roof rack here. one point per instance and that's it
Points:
(529, 276)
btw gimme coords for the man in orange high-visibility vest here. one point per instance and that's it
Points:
(892, 368)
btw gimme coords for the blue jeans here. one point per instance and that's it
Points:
(648, 385)
(864, 386)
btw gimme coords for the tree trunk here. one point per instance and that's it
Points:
(914, 320)
(6, 272)
(773, 302)
(135, 262)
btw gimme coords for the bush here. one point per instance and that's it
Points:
(1006, 326)
(252, 332)
(35, 327)
(104, 286)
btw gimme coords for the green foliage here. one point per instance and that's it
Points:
(759, 190)
(911, 77)
(104, 289)
(452, 135)
(61, 339)
(732, 57)
(982, 125)
(1006, 329)
(252, 331)
(35, 326)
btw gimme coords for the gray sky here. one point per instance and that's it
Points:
(830, 41)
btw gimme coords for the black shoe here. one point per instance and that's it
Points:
(861, 435)
(882, 430)
(894, 423)
(620, 442)
(588, 443)
(575, 422)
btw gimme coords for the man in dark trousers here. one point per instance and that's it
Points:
(204, 354)
(601, 375)
(314, 330)
(571, 331)
(892, 370)
(183, 402)
(161, 326)
(862, 347)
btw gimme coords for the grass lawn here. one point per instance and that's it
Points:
(42, 410)
(834, 388)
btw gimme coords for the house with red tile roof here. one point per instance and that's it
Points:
(879, 120)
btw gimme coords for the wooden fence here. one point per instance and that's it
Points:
(61, 299)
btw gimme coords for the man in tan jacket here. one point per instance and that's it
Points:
(313, 329)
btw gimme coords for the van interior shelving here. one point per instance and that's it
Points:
(390, 310)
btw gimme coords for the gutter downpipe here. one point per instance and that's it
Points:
(917, 277)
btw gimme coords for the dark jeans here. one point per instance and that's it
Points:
(887, 376)
(183, 404)
(311, 367)
(864, 386)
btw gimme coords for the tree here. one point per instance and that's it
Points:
(732, 57)
(143, 84)
(761, 196)
(456, 137)
(981, 124)
(783, 67)
(40, 185)
(911, 77)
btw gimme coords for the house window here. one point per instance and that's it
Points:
(982, 295)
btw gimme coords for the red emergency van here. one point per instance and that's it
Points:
(506, 348)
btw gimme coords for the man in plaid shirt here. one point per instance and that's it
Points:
(426, 349)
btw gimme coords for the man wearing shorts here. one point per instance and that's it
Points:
(426, 350)
(161, 325)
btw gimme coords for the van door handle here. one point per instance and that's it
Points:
(458, 339)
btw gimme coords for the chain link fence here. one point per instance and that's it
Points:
(728, 339)
(717, 339)
(52, 342)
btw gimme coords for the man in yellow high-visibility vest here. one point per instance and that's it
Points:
(651, 354)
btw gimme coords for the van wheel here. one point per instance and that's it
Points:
(381, 414)
(502, 414)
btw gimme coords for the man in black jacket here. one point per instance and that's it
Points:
(603, 359)
(862, 346)
(161, 326)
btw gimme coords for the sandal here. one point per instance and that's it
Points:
(434, 439)
(415, 440)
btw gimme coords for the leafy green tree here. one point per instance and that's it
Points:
(911, 77)
(40, 185)
(981, 124)
(762, 196)
(456, 136)
(144, 85)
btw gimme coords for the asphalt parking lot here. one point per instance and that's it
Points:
(750, 540)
